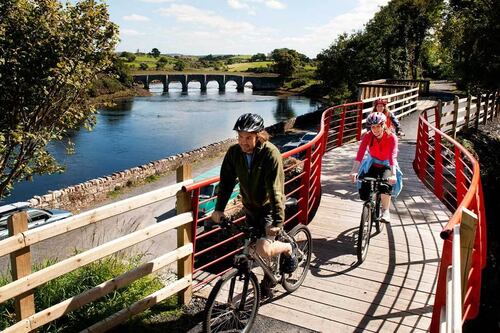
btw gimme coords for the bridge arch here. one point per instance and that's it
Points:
(178, 78)
(218, 78)
(197, 78)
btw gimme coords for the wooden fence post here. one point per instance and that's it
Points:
(468, 227)
(438, 113)
(455, 118)
(467, 111)
(478, 111)
(184, 233)
(20, 262)
(493, 105)
(486, 100)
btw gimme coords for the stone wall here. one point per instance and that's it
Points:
(83, 195)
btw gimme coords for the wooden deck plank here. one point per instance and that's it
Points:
(393, 290)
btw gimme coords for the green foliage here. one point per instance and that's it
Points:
(286, 61)
(143, 66)
(50, 55)
(470, 39)
(155, 52)
(78, 281)
(258, 57)
(179, 65)
(392, 45)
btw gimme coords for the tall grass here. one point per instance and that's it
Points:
(78, 281)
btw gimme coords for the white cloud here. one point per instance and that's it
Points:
(275, 4)
(136, 18)
(186, 13)
(237, 4)
(158, 1)
(251, 9)
(320, 37)
(130, 32)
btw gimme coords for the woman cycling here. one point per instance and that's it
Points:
(380, 105)
(381, 161)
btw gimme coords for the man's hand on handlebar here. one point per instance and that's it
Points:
(217, 216)
(272, 230)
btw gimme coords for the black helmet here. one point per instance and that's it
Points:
(249, 122)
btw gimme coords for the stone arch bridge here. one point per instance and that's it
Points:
(258, 82)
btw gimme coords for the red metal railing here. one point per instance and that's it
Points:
(452, 173)
(213, 249)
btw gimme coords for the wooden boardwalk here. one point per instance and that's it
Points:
(393, 290)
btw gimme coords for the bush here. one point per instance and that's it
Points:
(76, 282)
(143, 66)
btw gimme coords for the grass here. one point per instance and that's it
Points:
(243, 66)
(80, 280)
(151, 178)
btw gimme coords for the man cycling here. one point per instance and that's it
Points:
(258, 166)
(382, 146)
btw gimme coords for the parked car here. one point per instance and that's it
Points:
(292, 145)
(36, 217)
(210, 192)
(308, 137)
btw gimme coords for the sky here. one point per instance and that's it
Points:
(201, 27)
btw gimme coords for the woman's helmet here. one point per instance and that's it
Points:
(380, 101)
(375, 118)
(249, 122)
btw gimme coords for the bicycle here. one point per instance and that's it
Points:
(370, 215)
(233, 303)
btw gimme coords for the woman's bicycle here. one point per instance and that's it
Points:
(234, 301)
(370, 215)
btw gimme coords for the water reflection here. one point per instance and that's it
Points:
(283, 110)
(143, 129)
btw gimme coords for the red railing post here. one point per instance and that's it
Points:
(424, 150)
(360, 122)
(438, 166)
(341, 127)
(304, 193)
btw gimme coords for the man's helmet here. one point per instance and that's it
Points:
(380, 101)
(375, 118)
(249, 122)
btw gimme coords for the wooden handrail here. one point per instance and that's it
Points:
(34, 236)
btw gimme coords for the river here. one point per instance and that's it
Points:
(143, 129)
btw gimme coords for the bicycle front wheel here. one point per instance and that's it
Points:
(303, 238)
(233, 303)
(377, 214)
(365, 229)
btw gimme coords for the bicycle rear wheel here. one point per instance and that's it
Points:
(233, 303)
(303, 238)
(365, 228)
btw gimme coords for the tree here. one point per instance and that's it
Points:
(258, 57)
(179, 65)
(143, 66)
(50, 54)
(155, 52)
(470, 38)
(286, 61)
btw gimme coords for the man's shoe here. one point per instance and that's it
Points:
(386, 216)
(289, 263)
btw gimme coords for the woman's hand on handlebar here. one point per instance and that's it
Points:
(354, 176)
(391, 180)
(217, 216)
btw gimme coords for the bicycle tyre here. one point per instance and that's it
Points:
(364, 232)
(226, 316)
(376, 215)
(303, 238)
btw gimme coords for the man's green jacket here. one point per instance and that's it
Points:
(262, 185)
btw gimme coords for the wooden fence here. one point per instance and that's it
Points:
(24, 281)
(466, 112)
